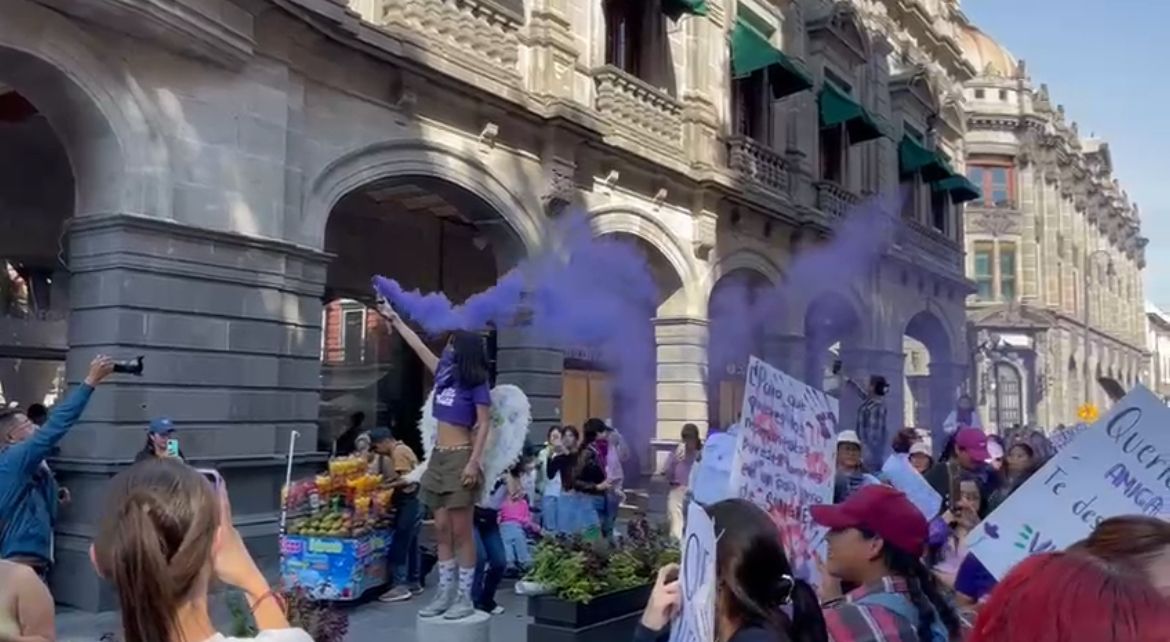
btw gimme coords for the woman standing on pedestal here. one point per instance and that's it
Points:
(453, 480)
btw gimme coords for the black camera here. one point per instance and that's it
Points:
(129, 366)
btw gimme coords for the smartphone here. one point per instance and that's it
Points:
(172, 448)
(212, 476)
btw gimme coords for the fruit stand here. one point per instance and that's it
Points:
(339, 532)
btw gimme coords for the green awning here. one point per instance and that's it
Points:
(751, 52)
(913, 157)
(839, 109)
(674, 9)
(961, 189)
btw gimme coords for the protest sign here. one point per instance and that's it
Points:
(696, 623)
(1118, 466)
(898, 471)
(786, 458)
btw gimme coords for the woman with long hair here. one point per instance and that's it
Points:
(678, 475)
(166, 533)
(559, 471)
(876, 541)
(1137, 541)
(1073, 597)
(757, 598)
(453, 480)
(589, 477)
(1018, 466)
(548, 490)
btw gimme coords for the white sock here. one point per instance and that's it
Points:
(466, 575)
(446, 575)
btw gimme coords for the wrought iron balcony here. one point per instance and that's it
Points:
(643, 115)
(757, 164)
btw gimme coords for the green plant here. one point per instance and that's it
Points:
(578, 569)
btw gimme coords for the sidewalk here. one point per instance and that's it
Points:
(368, 621)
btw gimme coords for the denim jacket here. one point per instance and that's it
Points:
(28, 491)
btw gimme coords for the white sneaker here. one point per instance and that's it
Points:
(499, 610)
(461, 608)
(439, 605)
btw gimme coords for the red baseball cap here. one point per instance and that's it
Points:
(974, 442)
(882, 510)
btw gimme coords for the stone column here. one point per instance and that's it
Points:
(537, 368)
(230, 330)
(681, 381)
(945, 381)
(709, 79)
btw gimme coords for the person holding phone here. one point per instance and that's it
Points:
(161, 441)
(29, 495)
(165, 535)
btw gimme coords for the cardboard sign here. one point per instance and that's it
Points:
(1118, 466)
(696, 623)
(786, 458)
(898, 471)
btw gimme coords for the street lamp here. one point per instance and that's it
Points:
(1089, 263)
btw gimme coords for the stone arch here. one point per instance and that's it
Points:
(739, 260)
(632, 222)
(94, 106)
(739, 313)
(414, 158)
(831, 316)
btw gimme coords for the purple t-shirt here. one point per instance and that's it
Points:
(455, 404)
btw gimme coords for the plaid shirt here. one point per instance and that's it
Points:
(848, 621)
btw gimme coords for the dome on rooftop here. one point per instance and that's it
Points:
(985, 54)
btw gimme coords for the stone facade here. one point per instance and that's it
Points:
(240, 169)
(1157, 375)
(1054, 246)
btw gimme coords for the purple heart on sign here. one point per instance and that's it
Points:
(992, 530)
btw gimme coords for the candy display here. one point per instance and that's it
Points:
(338, 532)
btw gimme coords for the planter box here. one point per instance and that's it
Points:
(607, 618)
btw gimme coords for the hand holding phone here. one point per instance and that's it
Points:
(173, 448)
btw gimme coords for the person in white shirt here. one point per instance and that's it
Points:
(166, 533)
(964, 415)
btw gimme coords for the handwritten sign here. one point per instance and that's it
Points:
(697, 620)
(786, 458)
(898, 471)
(1118, 466)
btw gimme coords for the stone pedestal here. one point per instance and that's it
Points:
(230, 330)
(474, 628)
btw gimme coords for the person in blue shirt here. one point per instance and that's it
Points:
(28, 493)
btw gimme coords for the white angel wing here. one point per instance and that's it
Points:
(428, 428)
(511, 415)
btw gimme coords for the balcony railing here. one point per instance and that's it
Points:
(757, 163)
(834, 200)
(645, 115)
(480, 34)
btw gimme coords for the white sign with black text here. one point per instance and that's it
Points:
(696, 623)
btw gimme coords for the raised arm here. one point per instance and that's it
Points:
(395, 322)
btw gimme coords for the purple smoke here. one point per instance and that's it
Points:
(584, 291)
(742, 312)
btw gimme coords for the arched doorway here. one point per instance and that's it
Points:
(927, 399)
(735, 333)
(626, 388)
(831, 327)
(1007, 397)
(36, 203)
(428, 234)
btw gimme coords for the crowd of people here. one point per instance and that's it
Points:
(891, 574)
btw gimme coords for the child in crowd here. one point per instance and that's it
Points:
(516, 521)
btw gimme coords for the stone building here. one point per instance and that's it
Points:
(211, 184)
(1157, 374)
(1054, 245)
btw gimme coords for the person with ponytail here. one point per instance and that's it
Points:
(757, 599)
(166, 534)
(876, 541)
